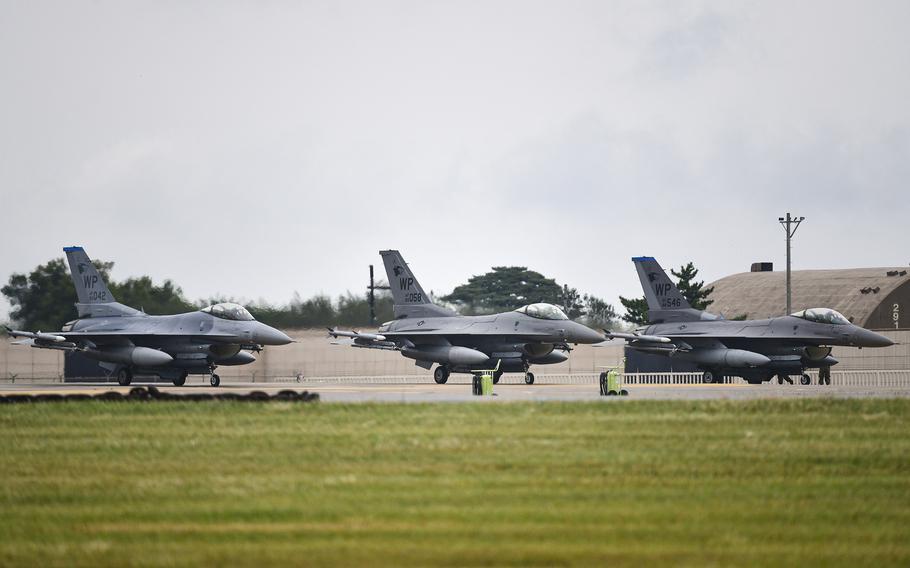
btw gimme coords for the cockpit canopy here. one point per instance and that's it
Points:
(229, 311)
(822, 315)
(543, 311)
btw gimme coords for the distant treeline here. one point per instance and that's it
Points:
(43, 299)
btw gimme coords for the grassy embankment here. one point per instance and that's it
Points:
(698, 483)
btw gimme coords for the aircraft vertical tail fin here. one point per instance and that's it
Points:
(409, 299)
(94, 297)
(665, 302)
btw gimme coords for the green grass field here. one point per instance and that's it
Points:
(799, 482)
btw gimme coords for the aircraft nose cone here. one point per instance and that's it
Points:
(584, 334)
(266, 335)
(865, 338)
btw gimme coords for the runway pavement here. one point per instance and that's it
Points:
(418, 392)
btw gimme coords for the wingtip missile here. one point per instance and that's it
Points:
(636, 337)
(48, 337)
(336, 333)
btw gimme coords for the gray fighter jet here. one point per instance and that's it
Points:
(756, 350)
(127, 341)
(536, 334)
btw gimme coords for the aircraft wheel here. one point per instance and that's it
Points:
(215, 380)
(707, 377)
(441, 375)
(496, 376)
(529, 378)
(805, 380)
(124, 377)
(180, 379)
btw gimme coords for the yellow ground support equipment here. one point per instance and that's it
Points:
(611, 381)
(482, 383)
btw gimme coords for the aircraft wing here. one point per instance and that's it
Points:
(365, 340)
(78, 340)
(650, 343)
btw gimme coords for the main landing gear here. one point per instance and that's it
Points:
(215, 380)
(529, 378)
(804, 379)
(441, 375)
(124, 376)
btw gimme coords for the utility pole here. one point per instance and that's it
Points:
(787, 223)
(371, 297)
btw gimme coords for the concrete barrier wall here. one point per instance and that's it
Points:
(314, 355)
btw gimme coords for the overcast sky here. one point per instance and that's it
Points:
(255, 149)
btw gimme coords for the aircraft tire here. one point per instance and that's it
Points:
(529, 378)
(124, 377)
(805, 380)
(441, 375)
(180, 379)
(707, 377)
(215, 380)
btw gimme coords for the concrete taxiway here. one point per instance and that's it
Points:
(344, 392)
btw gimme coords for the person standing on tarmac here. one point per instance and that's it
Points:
(824, 376)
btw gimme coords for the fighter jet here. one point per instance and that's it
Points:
(536, 334)
(127, 341)
(755, 350)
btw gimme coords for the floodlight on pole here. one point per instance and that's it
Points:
(790, 224)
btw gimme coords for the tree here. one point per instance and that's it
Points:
(354, 309)
(141, 293)
(598, 313)
(694, 292)
(571, 302)
(636, 310)
(505, 288)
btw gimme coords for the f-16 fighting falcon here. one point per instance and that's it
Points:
(536, 334)
(753, 349)
(127, 341)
